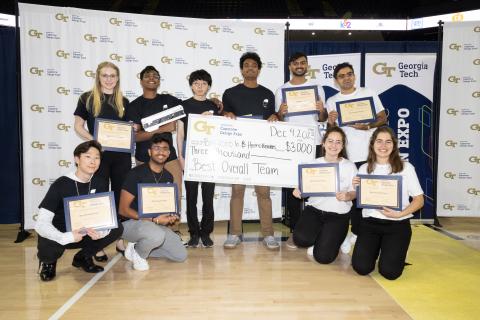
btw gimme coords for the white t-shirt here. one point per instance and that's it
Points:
(410, 187)
(347, 171)
(308, 119)
(357, 140)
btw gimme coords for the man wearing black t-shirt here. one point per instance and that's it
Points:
(53, 238)
(254, 100)
(149, 237)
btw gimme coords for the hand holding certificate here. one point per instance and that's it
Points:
(114, 135)
(378, 191)
(96, 211)
(319, 179)
(156, 199)
(300, 100)
(355, 111)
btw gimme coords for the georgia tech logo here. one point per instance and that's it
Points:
(475, 127)
(165, 25)
(236, 80)
(476, 94)
(142, 41)
(191, 44)
(214, 62)
(213, 95)
(451, 143)
(201, 126)
(63, 127)
(381, 68)
(61, 17)
(62, 54)
(34, 33)
(64, 163)
(63, 90)
(89, 74)
(166, 59)
(237, 47)
(474, 159)
(38, 181)
(36, 108)
(454, 46)
(90, 37)
(115, 21)
(213, 28)
(452, 111)
(476, 29)
(312, 73)
(449, 175)
(473, 191)
(448, 206)
(37, 145)
(453, 79)
(476, 62)
(37, 71)
(259, 31)
(457, 17)
(116, 57)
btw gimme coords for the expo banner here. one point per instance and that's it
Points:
(61, 48)
(404, 83)
(458, 178)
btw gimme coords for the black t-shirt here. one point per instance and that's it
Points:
(107, 110)
(65, 187)
(192, 106)
(143, 174)
(141, 108)
(242, 100)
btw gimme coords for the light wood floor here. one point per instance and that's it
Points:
(249, 282)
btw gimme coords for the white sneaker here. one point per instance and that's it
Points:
(139, 263)
(232, 241)
(129, 251)
(346, 245)
(271, 243)
(310, 251)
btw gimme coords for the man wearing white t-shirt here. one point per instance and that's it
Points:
(298, 66)
(358, 134)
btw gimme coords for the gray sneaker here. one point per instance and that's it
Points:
(232, 241)
(271, 243)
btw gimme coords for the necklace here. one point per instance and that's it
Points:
(89, 185)
(155, 176)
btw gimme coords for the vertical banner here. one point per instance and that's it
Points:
(458, 179)
(404, 83)
(61, 48)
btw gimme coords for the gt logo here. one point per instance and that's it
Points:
(448, 206)
(201, 126)
(115, 21)
(34, 33)
(61, 17)
(453, 79)
(452, 111)
(449, 175)
(165, 25)
(89, 37)
(36, 108)
(64, 163)
(142, 41)
(63, 90)
(63, 127)
(38, 181)
(191, 44)
(237, 46)
(62, 54)
(37, 145)
(259, 31)
(115, 57)
(213, 28)
(454, 46)
(381, 68)
(37, 71)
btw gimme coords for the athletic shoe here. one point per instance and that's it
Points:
(193, 242)
(346, 245)
(310, 251)
(139, 263)
(290, 244)
(271, 243)
(232, 241)
(207, 241)
(129, 251)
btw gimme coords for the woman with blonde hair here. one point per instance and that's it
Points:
(105, 101)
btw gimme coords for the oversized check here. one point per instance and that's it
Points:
(247, 151)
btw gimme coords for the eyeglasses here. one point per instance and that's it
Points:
(345, 75)
(159, 148)
(151, 75)
(108, 76)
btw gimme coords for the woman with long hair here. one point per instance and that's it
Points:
(323, 224)
(385, 233)
(105, 101)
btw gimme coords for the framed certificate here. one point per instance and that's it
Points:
(377, 191)
(157, 198)
(356, 111)
(318, 179)
(300, 100)
(96, 210)
(114, 135)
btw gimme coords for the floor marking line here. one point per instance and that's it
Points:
(67, 305)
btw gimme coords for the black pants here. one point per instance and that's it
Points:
(113, 169)
(324, 230)
(206, 226)
(294, 205)
(356, 213)
(385, 238)
(50, 251)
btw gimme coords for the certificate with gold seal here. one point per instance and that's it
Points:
(114, 135)
(360, 110)
(318, 179)
(157, 198)
(96, 211)
(300, 100)
(377, 191)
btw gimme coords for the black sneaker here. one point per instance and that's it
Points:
(86, 263)
(193, 242)
(206, 241)
(47, 271)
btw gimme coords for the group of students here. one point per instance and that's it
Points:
(322, 225)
